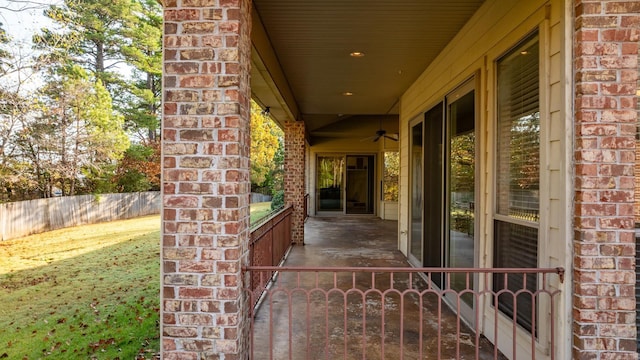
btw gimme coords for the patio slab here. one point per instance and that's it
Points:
(339, 322)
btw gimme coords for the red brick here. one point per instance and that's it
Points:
(195, 293)
(181, 355)
(230, 3)
(210, 306)
(213, 149)
(180, 332)
(620, 35)
(632, 21)
(622, 7)
(228, 80)
(213, 41)
(181, 201)
(198, 345)
(199, 54)
(195, 319)
(212, 14)
(181, 41)
(179, 253)
(585, 8)
(211, 280)
(199, 3)
(197, 81)
(168, 344)
(223, 267)
(199, 27)
(181, 15)
(211, 254)
(181, 95)
(200, 266)
(619, 62)
(599, 21)
(231, 280)
(170, 28)
(212, 68)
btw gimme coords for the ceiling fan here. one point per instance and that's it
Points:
(380, 134)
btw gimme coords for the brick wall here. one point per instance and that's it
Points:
(294, 175)
(636, 208)
(205, 135)
(605, 66)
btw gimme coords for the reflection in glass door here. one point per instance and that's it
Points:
(433, 194)
(330, 183)
(360, 182)
(461, 188)
(415, 246)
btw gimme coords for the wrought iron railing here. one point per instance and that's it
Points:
(269, 242)
(402, 313)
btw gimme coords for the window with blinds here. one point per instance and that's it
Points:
(518, 176)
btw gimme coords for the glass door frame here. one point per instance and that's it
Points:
(343, 190)
(466, 310)
(471, 85)
(417, 262)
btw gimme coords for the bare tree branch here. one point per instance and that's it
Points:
(24, 5)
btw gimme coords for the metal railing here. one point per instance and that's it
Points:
(269, 242)
(402, 313)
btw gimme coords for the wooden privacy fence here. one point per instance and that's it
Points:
(24, 218)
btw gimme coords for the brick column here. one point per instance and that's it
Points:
(605, 66)
(294, 144)
(205, 167)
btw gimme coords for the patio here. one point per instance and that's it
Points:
(354, 313)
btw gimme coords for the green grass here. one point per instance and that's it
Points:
(89, 292)
(259, 210)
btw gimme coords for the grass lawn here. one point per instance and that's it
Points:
(259, 210)
(88, 292)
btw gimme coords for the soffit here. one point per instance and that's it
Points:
(311, 40)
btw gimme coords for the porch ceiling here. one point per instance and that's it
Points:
(302, 64)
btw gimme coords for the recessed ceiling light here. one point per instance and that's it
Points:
(356, 54)
(524, 52)
(347, 93)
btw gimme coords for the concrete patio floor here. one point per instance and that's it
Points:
(339, 323)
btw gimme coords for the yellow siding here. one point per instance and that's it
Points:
(493, 30)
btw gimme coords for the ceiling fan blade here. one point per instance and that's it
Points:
(377, 138)
(368, 138)
(391, 137)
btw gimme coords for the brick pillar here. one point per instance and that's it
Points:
(605, 66)
(294, 172)
(205, 167)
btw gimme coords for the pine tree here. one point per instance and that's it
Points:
(144, 55)
(91, 34)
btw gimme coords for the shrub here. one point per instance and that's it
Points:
(278, 200)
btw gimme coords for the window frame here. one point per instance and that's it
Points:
(536, 36)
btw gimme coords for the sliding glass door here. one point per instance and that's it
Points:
(330, 183)
(345, 183)
(460, 192)
(442, 188)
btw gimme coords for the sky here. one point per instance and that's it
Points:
(22, 18)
